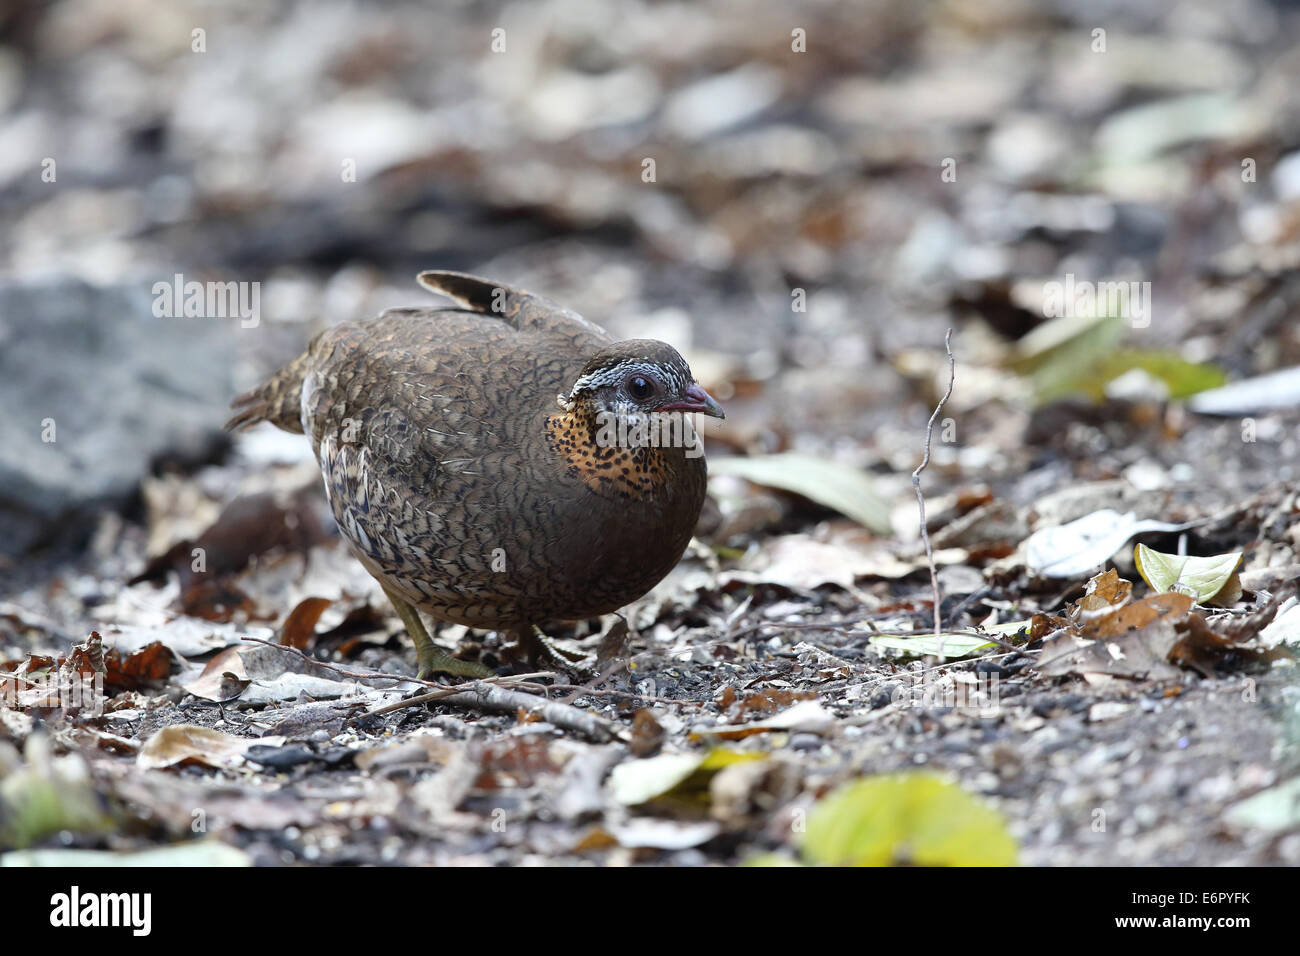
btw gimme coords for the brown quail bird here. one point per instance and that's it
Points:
(485, 462)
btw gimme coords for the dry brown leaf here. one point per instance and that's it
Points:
(1170, 607)
(300, 626)
(1133, 641)
(86, 658)
(1105, 593)
(1205, 648)
(223, 678)
(613, 645)
(188, 744)
(515, 762)
(153, 662)
(647, 734)
(766, 701)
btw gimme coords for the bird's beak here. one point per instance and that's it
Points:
(696, 399)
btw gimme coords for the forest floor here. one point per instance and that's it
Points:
(817, 224)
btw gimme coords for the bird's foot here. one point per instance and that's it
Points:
(541, 651)
(432, 659)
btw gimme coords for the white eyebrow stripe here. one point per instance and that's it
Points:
(615, 374)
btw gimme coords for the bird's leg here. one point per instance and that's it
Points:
(429, 656)
(538, 649)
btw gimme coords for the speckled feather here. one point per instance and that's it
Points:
(457, 476)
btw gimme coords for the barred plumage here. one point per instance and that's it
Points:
(459, 480)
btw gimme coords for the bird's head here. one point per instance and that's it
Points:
(639, 376)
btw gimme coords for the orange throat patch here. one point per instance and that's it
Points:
(611, 462)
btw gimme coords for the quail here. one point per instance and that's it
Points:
(501, 465)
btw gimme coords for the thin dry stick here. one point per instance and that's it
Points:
(443, 691)
(491, 693)
(398, 678)
(481, 695)
(920, 498)
(355, 675)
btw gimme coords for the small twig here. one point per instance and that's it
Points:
(354, 675)
(835, 686)
(482, 695)
(488, 694)
(920, 498)
(376, 675)
(443, 691)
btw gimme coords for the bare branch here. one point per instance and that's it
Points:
(481, 695)
(920, 498)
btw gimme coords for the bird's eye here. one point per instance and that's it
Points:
(639, 387)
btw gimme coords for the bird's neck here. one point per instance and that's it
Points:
(636, 456)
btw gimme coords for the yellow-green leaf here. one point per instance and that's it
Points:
(834, 485)
(1064, 355)
(917, 818)
(1201, 578)
(771, 859)
(1009, 628)
(1078, 354)
(949, 645)
(1183, 378)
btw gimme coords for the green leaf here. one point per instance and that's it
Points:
(836, 486)
(954, 645)
(1080, 354)
(771, 859)
(1183, 378)
(1009, 628)
(1202, 578)
(1063, 355)
(917, 818)
(1066, 335)
(51, 795)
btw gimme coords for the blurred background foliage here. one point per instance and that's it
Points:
(835, 183)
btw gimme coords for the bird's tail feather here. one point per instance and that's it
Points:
(278, 400)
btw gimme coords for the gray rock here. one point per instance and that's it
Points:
(120, 388)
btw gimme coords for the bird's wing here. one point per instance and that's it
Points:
(518, 308)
